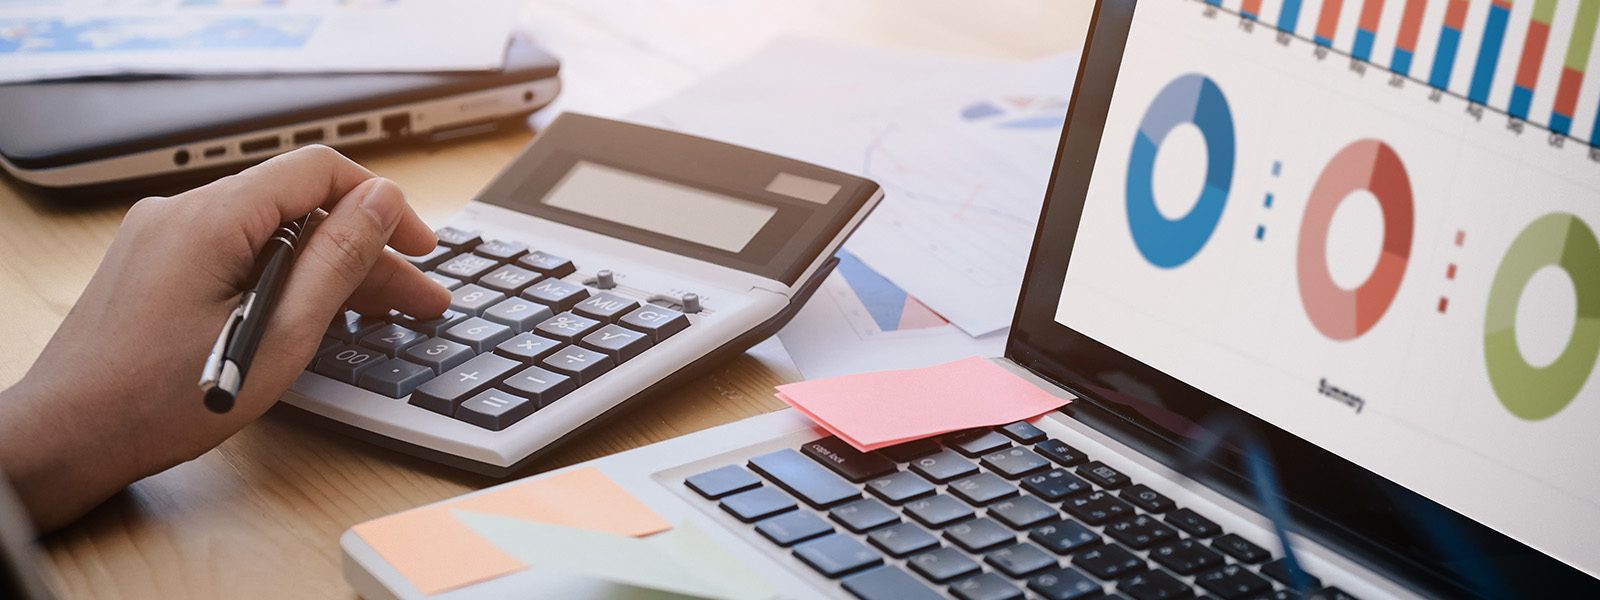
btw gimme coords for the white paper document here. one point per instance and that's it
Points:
(963, 148)
(69, 38)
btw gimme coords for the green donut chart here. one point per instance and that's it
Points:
(1536, 393)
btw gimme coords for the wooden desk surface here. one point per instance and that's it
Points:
(260, 516)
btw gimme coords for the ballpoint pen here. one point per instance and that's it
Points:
(236, 345)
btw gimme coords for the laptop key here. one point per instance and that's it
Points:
(976, 442)
(985, 586)
(1014, 462)
(757, 504)
(793, 527)
(1103, 475)
(1055, 484)
(1097, 507)
(1280, 570)
(805, 478)
(1060, 452)
(1241, 549)
(1186, 556)
(1140, 531)
(842, 458)
(720, 482)
(907, 451)
(1191, 522)
(938, 511)
(1064, 536)
(1022, 513)
(862, 516)
(943, 466)
(902, 540)
(982, 488)
(1110, 561)
(979, 535)
(1232, 582)
(1021, 560)
(836, 554)
(1143, 497)
(943, 565)
(1154, 585)
(900, 487)
(887, 583)
(1065, 583)
(1022, 431)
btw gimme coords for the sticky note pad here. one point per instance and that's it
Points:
(876, 410)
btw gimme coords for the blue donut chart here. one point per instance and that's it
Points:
(1195, 99)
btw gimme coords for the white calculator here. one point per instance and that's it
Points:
(609, 262)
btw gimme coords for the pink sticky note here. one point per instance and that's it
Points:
(875, 410)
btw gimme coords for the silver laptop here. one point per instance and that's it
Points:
(1329, 333)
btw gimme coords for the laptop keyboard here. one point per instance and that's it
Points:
(990, 514)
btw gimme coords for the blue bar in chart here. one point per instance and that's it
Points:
(1494, 34)
(1290, 15)
(1444, 60)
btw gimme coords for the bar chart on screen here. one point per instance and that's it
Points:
(1523, 61)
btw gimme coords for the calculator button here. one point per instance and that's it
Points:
(619, 343)
(472, 299)
(501, 250)
(539, 385)
(438, 355)
(659, 322)
(444, 281)
(467, 266)
(556, 294)
(350, 326)
(428, 261)
(327, 343)
(495, 409)
(479, 334)
(443, 393)
(549, 264)
(348, 362)
(457, 238)
(566, 327)
(520, 314)
(395, 378)
(605, 306)
(391, 339)
(431, 326)
(527, 347)
(578, 363)
(509, 279)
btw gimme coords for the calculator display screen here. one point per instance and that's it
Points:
(652, 204)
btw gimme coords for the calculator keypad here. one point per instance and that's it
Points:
(516, 338)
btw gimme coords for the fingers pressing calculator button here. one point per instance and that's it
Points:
(527, 347)
(549, 264)
(395, 378)
(520, 314)
(539, 385)
(495, 409)
(619, 343)
(501, 250)
(509, 279)
(430, 260)
(446, 282)
(579, 363)
(444, 393)
(478, 334)
(467, 266)
(659, 322)
(458, 238)
(350, 326)
(472, 299)
(439, 355)
(605, 306)
(431, 326)
(348, 362)
(557, 294)
(566, 327)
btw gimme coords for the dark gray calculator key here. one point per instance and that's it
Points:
(1140, 531)
(793, 527)
(527, 347)
(985, 586)
(757, 504)
(428, 261)
(520, 314)
(1103, 475)
(620, 343)
(1022, 513)
(1241, 549)
(1186, 556)
(847, 461)
(557, 294)
(444, 281)
(347, 363)
(1021, 560)
(902, 540)
(605, 306)
(482, 335)
(979, 535)
(1012, 463)
(816, 485)
(581, 364)
(1065, 583)
(1055, 484)
(899, 487)
(327, 343)
(1060, 452)
(395, 377)
(938, 511)
(501, 250)
(943, 564)
(836, 554)
(437, 354)
(455, 237)
(865, 515)
(1154, 585)
(943, 466)
(466, 266)
(722, 481)
(472, 299)
(541, 386)
(659, 322)
(887, 583)
(1097, 507)
(349, 326)
(566, 327)
(549, 264)
(431, 327)
(1143, 497)
(1109, 561)
(509, 279)
(1064, 536)
(1022, 431)
(976, 442)
(391, 340)
(906, 452)
(494, 409)
(444, 393)
(1232, 582)
(1190, 521)
(1281, 571)
(982, 488)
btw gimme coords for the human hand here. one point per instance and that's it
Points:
(114, 397)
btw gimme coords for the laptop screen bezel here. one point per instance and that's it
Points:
(1392, 530)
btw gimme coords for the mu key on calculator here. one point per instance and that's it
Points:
(608, 262)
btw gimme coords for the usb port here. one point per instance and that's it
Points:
(352, 128)
(259, 145)
(215, 152)
(307, 136)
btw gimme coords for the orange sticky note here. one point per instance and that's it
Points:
(876, 410)
(437, 552)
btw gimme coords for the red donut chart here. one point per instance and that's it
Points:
(1338, 313)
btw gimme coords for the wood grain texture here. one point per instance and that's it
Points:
(261, 515)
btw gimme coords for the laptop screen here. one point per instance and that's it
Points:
(1368, 224)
